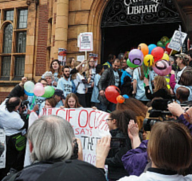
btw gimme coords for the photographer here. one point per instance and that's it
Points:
(13, 126)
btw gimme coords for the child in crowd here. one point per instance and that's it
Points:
(55, 68)
(72, 101)
(50, 102)
(95, 93)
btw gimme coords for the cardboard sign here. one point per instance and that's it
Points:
(177, 40)
(89, 125)
(85, 42)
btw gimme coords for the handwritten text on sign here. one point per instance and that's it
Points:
(89, 125)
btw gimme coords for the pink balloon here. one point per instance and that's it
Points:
(162, 67)
(39, 84)
(39, 90)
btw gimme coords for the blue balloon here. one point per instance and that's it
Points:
(28, 93)
(126, 96)
(151, 47)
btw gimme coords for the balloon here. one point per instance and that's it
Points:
(131, 64)
(126, 96)
(160, 44)
(39, 84)
(111, 93)
(120, 56)
(120, 99)
(167, 42)
(151, 47)
(148, 60)
(39, 90)
(136, 57)
(144, 48)
(164, 39)
(162, 67)
(165, 57)
(29, 87)
(157, 53)
(27, 93)
(168, 49)
(49, 92)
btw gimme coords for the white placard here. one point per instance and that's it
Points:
(3, 156)
(89, 125)
(85, 42)
(80, 58)
(177, 39)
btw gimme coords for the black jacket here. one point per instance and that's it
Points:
(115, 166)
(106, 80)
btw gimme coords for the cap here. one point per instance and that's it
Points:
(59, 93)
(182, 55)
(72, 170)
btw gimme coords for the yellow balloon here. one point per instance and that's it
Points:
(165, 57)
(148, 60)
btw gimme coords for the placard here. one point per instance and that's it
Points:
(85, 42)
(177, 40)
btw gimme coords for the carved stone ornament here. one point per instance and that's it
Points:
(28, 2)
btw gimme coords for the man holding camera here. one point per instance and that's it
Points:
(14, 127)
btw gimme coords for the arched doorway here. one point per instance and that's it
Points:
(126, 23)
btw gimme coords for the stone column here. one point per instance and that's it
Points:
(61, 28)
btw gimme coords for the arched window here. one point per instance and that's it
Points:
(7, 39)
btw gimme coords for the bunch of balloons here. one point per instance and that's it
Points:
(38, 90)
(121, 99)
(111, 93)
(163, 42)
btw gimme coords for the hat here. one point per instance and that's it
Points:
(182, 55)
(72, 170)
(59, 93)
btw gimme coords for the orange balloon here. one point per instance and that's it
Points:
(120, 99)
(144, 48)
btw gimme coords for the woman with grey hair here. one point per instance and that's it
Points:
(49, 77)
(51, 139)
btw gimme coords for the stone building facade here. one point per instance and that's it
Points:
(32, 31)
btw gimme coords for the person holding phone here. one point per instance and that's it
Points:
(120, 144)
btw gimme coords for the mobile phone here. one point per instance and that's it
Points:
(117, 142)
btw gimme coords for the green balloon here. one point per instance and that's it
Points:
(167, 42)
(160, 44)
(131, 64)
(49, 92)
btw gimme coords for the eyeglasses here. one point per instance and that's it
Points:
(108, 119)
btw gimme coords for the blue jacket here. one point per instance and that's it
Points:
(125, 73)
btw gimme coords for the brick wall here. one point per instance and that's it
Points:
(42, 40)
(3, 95)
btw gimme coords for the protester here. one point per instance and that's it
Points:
(138, 83)
(64, 82)
(59, 97)
(49, 77)
(14, 128)
(90, 75)
(95, 93)
(160, 88)
(182, 94)
(70, 63)
(118, 122)
(109, 77)
(50, 103)
(135, 105)
(56, 69)
(72, 101)
(182, 62)
(123, 64)
(109, 62)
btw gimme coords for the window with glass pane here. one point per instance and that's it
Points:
(19, 66)
(5, 66)
(21, 42)
(22, 21)
(7, 43)
(9, 15)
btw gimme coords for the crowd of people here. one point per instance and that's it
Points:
(154, 123)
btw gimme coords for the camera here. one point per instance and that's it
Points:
(24, 104)
(117, 142)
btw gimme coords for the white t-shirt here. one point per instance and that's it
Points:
(65, 86)
(116, 75)
(152, 176)
(179, 74)
(11, 122)
(81, 87)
